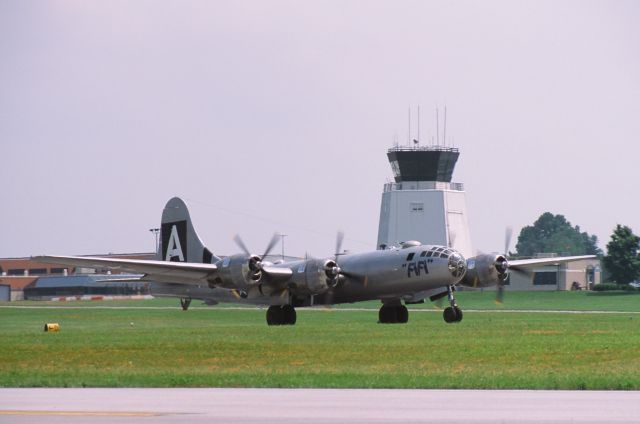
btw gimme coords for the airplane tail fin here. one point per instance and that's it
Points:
(179, 241)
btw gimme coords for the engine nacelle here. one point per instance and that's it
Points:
(485, 271)
(321, 275)
(238, 271)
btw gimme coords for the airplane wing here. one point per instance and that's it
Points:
(179, 272)
(528, 263)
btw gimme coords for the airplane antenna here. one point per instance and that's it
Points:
(418, 124)
(409, 137)
(444, 137)
(437, 128)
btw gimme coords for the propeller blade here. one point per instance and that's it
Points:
(339, 240)
(507, 239)
(241, 244)
(271, 245)
(500, 293)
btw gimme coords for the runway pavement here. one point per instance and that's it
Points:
(310, 406)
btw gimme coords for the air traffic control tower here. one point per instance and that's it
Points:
(423, 204)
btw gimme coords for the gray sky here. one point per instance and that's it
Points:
(276, 116)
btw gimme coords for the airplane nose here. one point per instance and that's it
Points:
(457, 265)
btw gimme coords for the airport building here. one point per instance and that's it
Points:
(574, 275)
(20, 276)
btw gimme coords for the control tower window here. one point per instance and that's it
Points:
(395, 168)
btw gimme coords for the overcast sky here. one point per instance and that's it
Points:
(276, 116)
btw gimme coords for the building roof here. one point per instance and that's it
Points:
(95, 280)
(17, 283)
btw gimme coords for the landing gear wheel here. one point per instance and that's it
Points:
(289, 314)
(402, 314)
(449, 315)
(452, 314)
(393, 314)
(458, 314)
(387, 315)
(281, 315)
(274, 315)
(185, 302)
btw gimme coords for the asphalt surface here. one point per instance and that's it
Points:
(311, 406)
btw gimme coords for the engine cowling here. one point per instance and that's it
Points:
(321, 275)
(486, 271)
(238, 271)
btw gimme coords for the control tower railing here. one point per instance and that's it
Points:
(417, 148)
(423, 185)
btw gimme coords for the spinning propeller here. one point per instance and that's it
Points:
(503, 266)
(256, 262)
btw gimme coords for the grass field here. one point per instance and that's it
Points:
(225, 347)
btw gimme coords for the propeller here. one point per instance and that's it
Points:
(255, 262)
(331, 268)
(336, 274)
(503, 266)
(339, 240)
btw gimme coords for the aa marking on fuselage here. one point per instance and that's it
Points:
(417, 268)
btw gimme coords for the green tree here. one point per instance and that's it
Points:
(622, 260)
(554, 234)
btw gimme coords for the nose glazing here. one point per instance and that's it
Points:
(457, 265)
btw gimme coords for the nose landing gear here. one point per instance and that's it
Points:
(452, 313)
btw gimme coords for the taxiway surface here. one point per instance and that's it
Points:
(284, 406)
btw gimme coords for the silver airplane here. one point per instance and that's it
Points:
(185, 268)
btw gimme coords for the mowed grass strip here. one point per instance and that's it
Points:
(235, 348)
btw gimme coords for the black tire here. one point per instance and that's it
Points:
(275, 315)
(449, 315)
(289, 315)
(403, 314)
(387, 315)
(382, 315)
(458, 314)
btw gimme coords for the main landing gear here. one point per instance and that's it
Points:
(185, 302)
(393, 313)
(281, 315)
(452, 313)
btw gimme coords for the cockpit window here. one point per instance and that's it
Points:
(423, 253)
(410, 256)
(429, 254)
